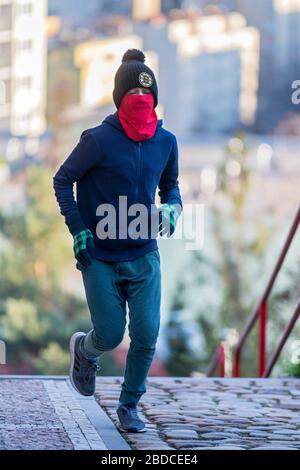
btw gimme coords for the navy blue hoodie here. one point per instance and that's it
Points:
(106, 164)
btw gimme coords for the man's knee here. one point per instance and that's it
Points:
(106, 342)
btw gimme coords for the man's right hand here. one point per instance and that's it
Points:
(83, 240)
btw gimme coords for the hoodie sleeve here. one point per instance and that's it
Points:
(168, 185)
(82, 158)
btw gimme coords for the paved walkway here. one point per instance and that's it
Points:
(39, 413)
(180, 413)
(201, 413)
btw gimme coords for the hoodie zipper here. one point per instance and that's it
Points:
(139, 168)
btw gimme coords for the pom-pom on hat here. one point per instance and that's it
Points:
(133, 73)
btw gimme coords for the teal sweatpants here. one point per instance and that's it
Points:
(108, 286)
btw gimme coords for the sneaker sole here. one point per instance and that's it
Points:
(129, 430)
(72, 354)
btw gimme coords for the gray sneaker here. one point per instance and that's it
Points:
(129, 420)
(82, 371)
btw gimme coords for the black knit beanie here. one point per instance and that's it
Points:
(133, 73)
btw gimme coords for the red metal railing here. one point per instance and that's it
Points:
(261, 313)
(218, 359)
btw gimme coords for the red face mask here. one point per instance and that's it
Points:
(138, 116)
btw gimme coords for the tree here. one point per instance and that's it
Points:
(228, 279)
(37, 316)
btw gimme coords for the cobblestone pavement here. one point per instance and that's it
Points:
(202, 413)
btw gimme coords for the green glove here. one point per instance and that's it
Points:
(82, 241)
(168, 216)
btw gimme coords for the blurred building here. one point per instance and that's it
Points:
(287, 48)
(278, 22)
(23, 46)
(218, 71)
(145, 9)
(63, 82)
(73, 12)
(209, 68)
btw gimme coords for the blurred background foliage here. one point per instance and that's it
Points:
(37, 315)
(226, 284)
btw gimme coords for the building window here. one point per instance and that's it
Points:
(23, 82)
(5, 17)
(25, 45)
(25, 8)
(5, 92)
(2, 92)
(5, 123)
(23, 120)
(5, 54)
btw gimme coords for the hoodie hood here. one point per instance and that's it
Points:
(113, 120)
